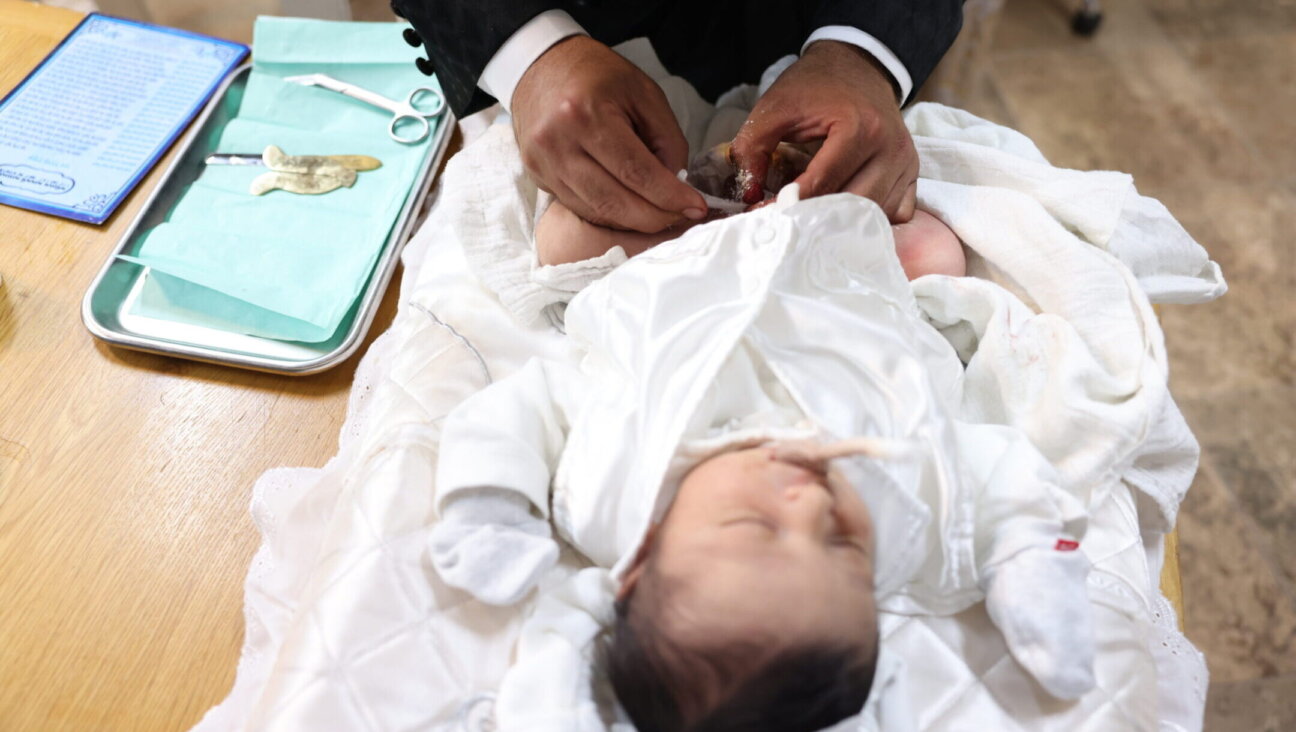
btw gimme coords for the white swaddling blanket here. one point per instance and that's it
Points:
(349, 628)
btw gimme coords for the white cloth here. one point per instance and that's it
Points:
(671, 340)
(681, 345)
(1080, 315)
(348, 627)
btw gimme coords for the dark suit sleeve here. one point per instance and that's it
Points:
(461, 37)
(918, 32)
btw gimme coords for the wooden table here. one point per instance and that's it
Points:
(124, 479)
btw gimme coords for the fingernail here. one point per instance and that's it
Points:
(696, 214)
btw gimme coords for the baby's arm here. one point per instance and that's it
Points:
(509, 435)
(1027, 550)
(499, 451)
(1020, 504)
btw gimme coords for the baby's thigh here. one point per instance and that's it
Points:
(562, 237)
(926, 245)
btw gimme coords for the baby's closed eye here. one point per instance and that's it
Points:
(763, 524)
(848, 542)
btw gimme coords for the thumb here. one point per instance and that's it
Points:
(753, 148)
(656, 126)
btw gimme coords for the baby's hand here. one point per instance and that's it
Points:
(1039, 600)
(489, 544)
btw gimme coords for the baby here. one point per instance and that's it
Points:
(924, 244)
(695, 455)
(751, 605)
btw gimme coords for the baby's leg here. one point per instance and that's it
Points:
(563, 237)
(927, 246)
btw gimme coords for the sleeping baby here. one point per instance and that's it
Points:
(756, 455)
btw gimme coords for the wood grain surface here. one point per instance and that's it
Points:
(124, 478)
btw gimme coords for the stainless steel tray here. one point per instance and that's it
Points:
(106, 308)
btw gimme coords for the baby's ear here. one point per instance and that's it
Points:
(637, 567)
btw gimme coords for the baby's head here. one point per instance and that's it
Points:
(750, 606)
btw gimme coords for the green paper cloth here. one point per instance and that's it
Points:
(281, 265)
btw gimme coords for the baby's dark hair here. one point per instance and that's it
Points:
(667, 687)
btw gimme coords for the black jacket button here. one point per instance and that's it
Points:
(425, 66)
(412, 37)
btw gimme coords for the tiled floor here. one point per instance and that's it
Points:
(1195, 98)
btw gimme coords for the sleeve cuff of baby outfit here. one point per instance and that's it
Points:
(519, 472)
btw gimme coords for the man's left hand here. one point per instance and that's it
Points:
(839, 94)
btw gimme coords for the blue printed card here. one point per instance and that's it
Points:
(86, 125)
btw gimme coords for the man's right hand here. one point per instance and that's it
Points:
(599, 134)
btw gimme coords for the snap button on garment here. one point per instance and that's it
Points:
(478, 714)
(765, 235)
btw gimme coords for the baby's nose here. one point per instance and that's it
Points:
(809, 508)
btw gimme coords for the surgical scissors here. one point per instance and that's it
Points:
(402, 111)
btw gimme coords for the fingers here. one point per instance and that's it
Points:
(900, 202)
(892, 198)
(837, 163)
(754, 145)
(656, 125)
(908, 204)
(891, 182)
(596, 196)
(599, 134)
(639, 173)
(802, 453)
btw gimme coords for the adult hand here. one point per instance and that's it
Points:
(838, 94)
(596, 132)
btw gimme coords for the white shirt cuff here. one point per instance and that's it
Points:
(872, 47)
(501, 76)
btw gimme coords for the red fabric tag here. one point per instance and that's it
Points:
(1066, 545)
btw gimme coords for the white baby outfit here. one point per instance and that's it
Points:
(793, 321)
(350, 627)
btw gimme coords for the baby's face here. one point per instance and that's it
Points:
(757, 547)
